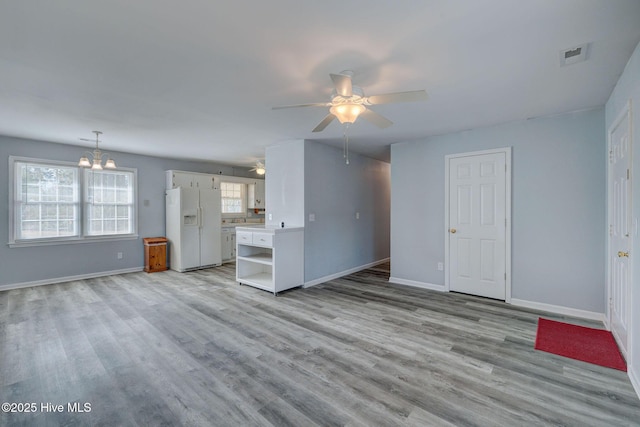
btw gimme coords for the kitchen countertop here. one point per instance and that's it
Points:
(242, 224)
(273, 228)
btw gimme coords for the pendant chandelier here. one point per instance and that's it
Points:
(96, 157)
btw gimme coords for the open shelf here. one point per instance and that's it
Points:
(262, 258)
(270, 259)
(261, 280)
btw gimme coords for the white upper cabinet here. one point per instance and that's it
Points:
(255, 198)
(177, 179)
(207, 181)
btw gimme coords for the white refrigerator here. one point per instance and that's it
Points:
(193, 219)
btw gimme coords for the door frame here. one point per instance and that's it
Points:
(447, 159)
(625, 112)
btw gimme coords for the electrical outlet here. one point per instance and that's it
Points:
(270, 217)
(119, 255)
(312, 217)
(357, 215)
(440, 266)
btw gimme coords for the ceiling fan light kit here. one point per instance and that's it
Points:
(259, 169)
(348, 103)
(347, 113)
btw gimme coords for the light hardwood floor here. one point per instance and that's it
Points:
(197, 349)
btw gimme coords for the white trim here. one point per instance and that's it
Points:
(244, 202)
(84, 174)
(558, 309)
(81, 236)
(635, 381)
(416, 284)
(625, 112)
(72, 240)
(68, 279)
(508, 159)
(343, 273)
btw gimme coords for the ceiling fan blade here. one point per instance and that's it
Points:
(411, 96)
(314, 104)
(376, 119)
(324, 123)
(343, 84)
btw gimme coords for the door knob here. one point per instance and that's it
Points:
(623, 254)
(452, 230)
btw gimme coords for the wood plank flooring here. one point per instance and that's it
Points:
(197, 349)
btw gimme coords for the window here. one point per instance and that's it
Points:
(58, 201)
(46, 203)
(233, 199)
(108, 202)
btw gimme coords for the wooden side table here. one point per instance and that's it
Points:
(155, 254)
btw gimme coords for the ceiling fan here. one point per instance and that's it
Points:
(348, 102)
(259, 169)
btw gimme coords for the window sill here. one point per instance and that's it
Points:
(72, 241)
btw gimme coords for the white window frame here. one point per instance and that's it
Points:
(87, 203)
(82, 236)
(243, 196)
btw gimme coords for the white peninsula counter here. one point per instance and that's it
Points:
(270, 258)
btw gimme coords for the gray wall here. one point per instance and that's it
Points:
(558, 206)
(334, 192)
(48, 263)
(306, 177)
(628, 88)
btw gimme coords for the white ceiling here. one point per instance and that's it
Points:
(196, 79)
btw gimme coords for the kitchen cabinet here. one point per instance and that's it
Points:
(155, 254)
(228, 244)
(175, 179)
(271, 259)
(256, 192)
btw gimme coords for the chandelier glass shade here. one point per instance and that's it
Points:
(93, 159)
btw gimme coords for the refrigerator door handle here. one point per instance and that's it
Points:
(199, 217)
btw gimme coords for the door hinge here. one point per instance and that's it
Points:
(628, 174)
(610, 156)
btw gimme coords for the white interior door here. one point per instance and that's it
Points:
(477, 224)
(619, 228)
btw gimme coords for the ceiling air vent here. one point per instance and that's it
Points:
(573, 55)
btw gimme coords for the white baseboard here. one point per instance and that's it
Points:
(635, 381)
(68, 278)
(343, 273)
(558, 309)
(416, 284)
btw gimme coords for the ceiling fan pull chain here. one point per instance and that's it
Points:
(346, 142)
